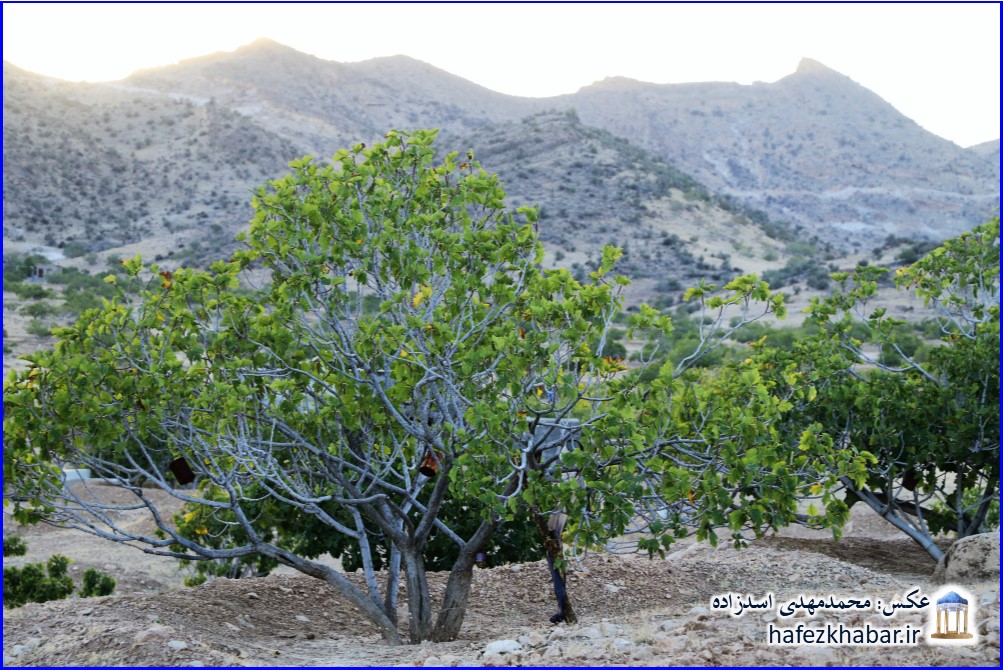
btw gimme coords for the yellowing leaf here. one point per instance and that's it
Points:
(190, 516)
(418, 298)
(201, 530)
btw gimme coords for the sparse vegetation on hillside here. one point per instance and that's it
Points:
(89, 167)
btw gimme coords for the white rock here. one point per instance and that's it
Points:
(971, 559)
(553, 651)
(700, 612)
(87, 611)
(229, 625)
(252, 595)
(16, 650)
(590, 632)
(432, 661)
(622, 644)
(155, 632)
(611, 588)
(300, 617)
(668, 624)
(502, 647)
(177, 645)
(608, 629)
(558, 633)
(643, 653)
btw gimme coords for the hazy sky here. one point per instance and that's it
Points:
(938, 64)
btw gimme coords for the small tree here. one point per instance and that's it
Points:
(408, 354)
(932, 424)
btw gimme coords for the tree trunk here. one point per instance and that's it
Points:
(454, 603)
(551, 538)
(418, 599)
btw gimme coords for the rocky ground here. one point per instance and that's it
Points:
(632, 611)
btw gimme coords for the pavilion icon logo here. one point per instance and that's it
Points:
(952, 618)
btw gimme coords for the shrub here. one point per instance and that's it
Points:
(39, 328)
(38, 310)
(37, 583)
(97, 583)
(74, 249)
(14, 546)
(30, 291)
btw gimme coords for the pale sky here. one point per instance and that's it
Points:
(938, 64)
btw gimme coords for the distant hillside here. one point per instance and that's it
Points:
(596, 189)
(101, 167)
(988, 150)
(815, 148)
(324, 105)
(181, 146)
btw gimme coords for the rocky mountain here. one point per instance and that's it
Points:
(180, 147)
(988, 150)
(814, 148)
(325, 106)
(98, 166)
(595, 189)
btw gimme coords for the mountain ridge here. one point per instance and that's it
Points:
(776, 146)
(814, 148)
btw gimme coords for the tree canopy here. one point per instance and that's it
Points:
(407, 353)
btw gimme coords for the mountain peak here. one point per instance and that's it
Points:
(267, 46)
(812, 66)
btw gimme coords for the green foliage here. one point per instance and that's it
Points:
(38, 310)
(929, 413)
(28, 291)
(97, 583)
(39, 328)
(14, 546)
(799, 268)
(409, 320)
(17, 267)
(74, 249)
(37, 583)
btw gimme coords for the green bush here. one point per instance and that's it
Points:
(37, 583)
(97, 583)
(15, 267)
(39, 328)
(27, 291)
(38, 310)
(74, 249)
(14, 546)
